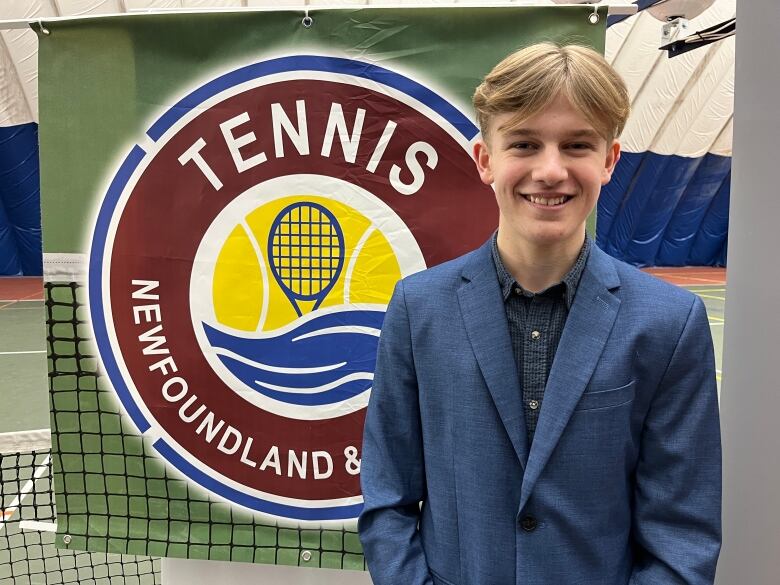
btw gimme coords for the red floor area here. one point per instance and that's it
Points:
(690, 275)
(21, 288)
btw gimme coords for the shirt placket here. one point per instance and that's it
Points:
(536, 340)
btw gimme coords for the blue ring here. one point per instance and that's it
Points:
(347, 512)
(134, 158)
(315, 63)
(96, 311)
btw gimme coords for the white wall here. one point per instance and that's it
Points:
(750, 398)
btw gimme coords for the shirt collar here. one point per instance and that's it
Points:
(569, 281)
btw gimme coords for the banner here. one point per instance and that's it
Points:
(228, 201)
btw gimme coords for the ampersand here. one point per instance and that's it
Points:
(353, 463)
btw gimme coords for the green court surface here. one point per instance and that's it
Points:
(714, 298)
(23, 387)
(28, 550)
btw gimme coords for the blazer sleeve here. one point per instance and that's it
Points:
(392, 467)
(677, 494)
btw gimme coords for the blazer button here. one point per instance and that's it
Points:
(528, 523)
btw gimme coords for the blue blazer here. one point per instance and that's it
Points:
(622, 483)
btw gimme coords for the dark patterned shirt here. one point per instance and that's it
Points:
(536, 323)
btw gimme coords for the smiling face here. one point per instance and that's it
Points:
(547, 173)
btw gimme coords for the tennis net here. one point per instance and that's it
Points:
(115, 494)
(28, 520)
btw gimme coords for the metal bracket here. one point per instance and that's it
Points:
(674, 29)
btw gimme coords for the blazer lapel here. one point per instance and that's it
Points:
(482, 308)
(587, 329)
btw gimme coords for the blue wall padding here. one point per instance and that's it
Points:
(632, 206)
(611, 199)
(694, 205)
(661, 202)
(9, 260)
(20, 194)
(656, 207)
(712, 236)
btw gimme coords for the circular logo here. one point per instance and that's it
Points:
(243, 259)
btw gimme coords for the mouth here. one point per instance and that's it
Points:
(547, 201)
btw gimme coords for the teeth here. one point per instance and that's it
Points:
(545, 200)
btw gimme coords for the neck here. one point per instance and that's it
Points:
(536, 266)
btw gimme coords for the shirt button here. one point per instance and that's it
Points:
(533, 404)
(518, 291)
(535, 334)
(528, 523)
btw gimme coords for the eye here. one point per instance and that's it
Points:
(580, 146)
(522, 146)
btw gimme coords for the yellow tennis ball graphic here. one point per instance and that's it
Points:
(247, 297)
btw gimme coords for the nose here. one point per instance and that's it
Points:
(550, 168)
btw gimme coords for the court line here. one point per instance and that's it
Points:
(686, 271)
(683, 274)
(38, 525)
(21, 300)
(24, 298)
(705, 290)
(8, 512)
(719, 284)
(22, 352)
(710, 297)
(703, 280)
(14, 307)
(689, 269)
(671, 277)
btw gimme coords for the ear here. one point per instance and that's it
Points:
(482, 158)
(613, 156)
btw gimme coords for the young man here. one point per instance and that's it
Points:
(543, 414)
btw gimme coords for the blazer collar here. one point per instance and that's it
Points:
(584, 336)
(587, 329)
(482, 308)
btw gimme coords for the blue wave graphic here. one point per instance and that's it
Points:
(323, 360)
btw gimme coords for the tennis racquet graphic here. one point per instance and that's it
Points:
(306, 252)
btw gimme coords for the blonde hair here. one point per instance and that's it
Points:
(529, 80)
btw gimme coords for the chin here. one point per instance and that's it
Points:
(549, 237)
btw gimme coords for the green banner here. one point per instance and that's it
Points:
(228, 200)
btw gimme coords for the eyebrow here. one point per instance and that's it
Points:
(530, 133)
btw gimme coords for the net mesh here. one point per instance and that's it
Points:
(113, 492)
(27, 551)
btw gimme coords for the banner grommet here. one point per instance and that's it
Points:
(593, 17)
